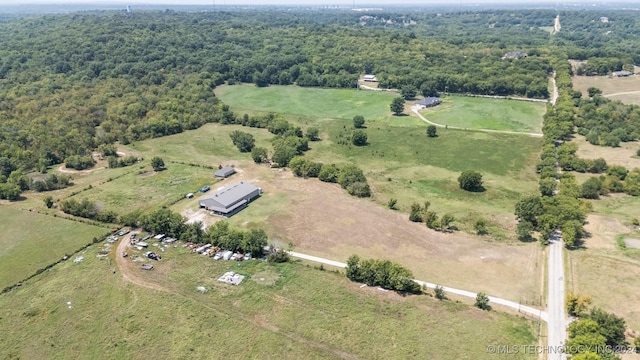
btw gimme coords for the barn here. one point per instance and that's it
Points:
(231, 199)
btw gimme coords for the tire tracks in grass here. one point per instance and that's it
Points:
(259, 321)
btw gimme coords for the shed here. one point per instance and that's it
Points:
(428, 102)
(225, 172)
(371, 78)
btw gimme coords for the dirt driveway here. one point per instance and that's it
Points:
(128, 269)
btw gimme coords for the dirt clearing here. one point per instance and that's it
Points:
(624, 155)
(625, 89)
(323, 220)
(612, 280)
(602, 231)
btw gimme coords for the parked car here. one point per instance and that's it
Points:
(247, 256)
(205, 189)
(146, 267)
(123, 232)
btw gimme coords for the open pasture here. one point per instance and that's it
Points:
(485, 113)
(401, 162)
(625, 89)
(311, 102)
(31, 241)
(305, 313)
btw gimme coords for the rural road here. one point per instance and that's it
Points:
(415, 111)
(532, 312)
(556, 25)
(556, 324)
(554, 96)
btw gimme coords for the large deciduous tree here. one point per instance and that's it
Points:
(242, 140)
(529, 208)
(397, 105)
(471, 180)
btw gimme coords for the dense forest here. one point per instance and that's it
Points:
(70, 83)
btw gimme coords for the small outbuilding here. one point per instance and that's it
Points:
(225, 172)
(370, 78)
(430, 101)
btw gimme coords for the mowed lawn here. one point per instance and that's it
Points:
(31, 241)
(284, 311)
(482, 113)
(313, 102)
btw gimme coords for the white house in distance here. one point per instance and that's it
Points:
(370, 78)
(231, 199)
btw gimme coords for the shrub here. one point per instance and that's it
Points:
(440, 293)
(482, 301)
(359, 138)
(359, 189)
(391, 204)
(280, 256)
(329, 173)
(79, 162)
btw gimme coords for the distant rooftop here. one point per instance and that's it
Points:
(225, 172)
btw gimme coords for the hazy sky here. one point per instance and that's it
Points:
(289, 2)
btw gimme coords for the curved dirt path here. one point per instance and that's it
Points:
(126, 272)
(129, 276)
(535, 313)
(415, 109)
(63, 169)
(623, 93)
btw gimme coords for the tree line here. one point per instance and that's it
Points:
(67, 91)
(383, 273)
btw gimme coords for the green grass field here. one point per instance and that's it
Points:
(31, 241)
(493, 114)
(285, 311)
(402, 162)
(309, 102)
(149, 190)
